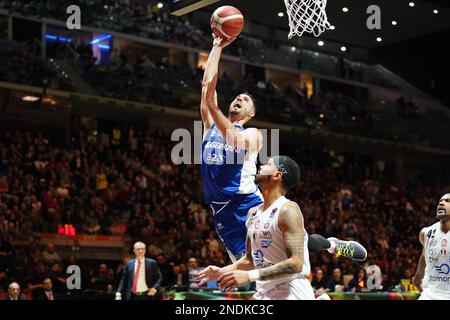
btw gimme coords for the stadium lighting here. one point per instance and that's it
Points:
(394, 23)
(280, 14)
(412, 4)
(104, 46)
(57, 38)
(30, 98)
(106, 36)
(160, 5)
(293, 49)
(332, 27)
(320, 43)
(345, 9)
(379, 39)
(343, 49)
(435, 11)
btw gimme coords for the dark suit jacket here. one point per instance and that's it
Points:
(153, 277)
(43, 297)
(7, 297)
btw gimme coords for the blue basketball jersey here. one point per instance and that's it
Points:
(226, 171)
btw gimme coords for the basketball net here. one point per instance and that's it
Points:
(307, 16)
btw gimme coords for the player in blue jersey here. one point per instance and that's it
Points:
(228, 167)
(229, 164)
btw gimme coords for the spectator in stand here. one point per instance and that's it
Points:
(102, 280)
(407, 283)
(359, 282)
(335, 283)
(50, 256)
(14, 292)
(319, 282)
(47, 292)
(166, 271)
(59, 284)
(181, 275)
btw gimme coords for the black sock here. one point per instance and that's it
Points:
(317, 243)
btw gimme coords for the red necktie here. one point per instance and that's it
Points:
(136, 277)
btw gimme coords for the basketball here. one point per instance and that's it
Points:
(227, 22)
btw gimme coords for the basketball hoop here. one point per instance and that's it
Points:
(307, 16)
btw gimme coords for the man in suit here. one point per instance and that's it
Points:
(141, 278)
(47, 292)
(14, 292)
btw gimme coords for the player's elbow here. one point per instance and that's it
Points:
(297, 264)
(206, 82)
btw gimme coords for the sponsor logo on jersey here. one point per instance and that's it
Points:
(257, 224)
(443, 269)
(433, 243)
(443, 252)
(433, 255)
(258, 256)
(266, 225)
(439, 279)
(265, 243)
(266, 235)
(444, 242)
(272, 214)
(219, 146)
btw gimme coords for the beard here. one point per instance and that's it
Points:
(235, 112)
(261, 179)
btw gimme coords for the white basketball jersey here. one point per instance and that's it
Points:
(267, 243)
(437, 257)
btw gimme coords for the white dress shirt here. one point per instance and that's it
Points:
(141, 284)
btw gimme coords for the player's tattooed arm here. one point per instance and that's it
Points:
(290, 222)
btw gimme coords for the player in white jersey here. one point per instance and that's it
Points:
(433, 272)
(277, 256)
(229, 184)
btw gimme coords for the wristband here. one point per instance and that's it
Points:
(253, 275)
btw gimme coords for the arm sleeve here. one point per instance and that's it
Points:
(123, 281)
(158, 276)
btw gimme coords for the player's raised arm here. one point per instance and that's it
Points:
(249, 139)
(211, 69)
(421, 265)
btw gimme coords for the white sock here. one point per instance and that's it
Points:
(332, 248)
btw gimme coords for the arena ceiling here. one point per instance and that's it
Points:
(350, 26)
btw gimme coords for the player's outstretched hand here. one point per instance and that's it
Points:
(233, 279)
(222, 42)
(210, 273)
